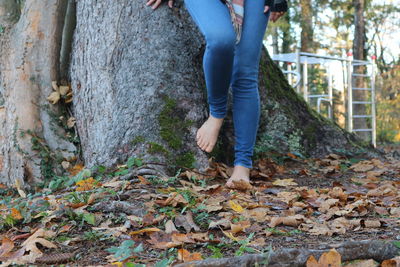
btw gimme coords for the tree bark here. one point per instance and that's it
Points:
(359, 82)
(139, 91)
(306, 24)
(29, 63)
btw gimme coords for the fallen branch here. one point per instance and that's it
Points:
(292, 257)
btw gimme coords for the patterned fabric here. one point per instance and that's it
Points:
(236, 9)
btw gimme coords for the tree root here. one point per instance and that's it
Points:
(291, 257)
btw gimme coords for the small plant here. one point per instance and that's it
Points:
(126, 250)
(217, 254)
(244, 246)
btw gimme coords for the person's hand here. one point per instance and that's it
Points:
(274, 15)
(156, 3)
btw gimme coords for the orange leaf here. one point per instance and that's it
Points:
(391, 263)
(312, 262)
(16, 214)
(146, 230)
(331, 258)
(76, 169)
(143, 180)
(185, 256)
(87, 184)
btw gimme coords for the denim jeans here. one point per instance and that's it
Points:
(230, 65)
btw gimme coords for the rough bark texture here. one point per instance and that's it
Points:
(360, 82)
(139, 91)
(29, 62)
(290, 257)
(137, 82)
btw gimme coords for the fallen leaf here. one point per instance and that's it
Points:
(240, 226)
(362, 166)
(230, 236)
(284, 182)
(146, 230)
(395, 262)
(54, 97)
(223, 222)
(6, 246)
(38, 238)
(186, 221)
(170, 227)
(236, 207)
(16, 214)
(185, 256)
(331, 258)
(312, 262)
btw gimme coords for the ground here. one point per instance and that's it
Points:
(102, 217)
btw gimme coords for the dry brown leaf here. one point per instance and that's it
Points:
(331, 259)
(362, 166)
(63, 89)
(294, 221)
(288, 197)
(6, 246)
(284, 182)
(223, 222)
(200, 237)
(162, 240)
(146, 230)
(54, 97)
(213, 203)
(170, 227)
(182, 238)
(327, 204)
(240, 226)
(395, 262)
(186, 221)
(312, 262)
(186, 256)
(38, 237)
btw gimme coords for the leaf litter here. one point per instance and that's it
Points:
(300, 203)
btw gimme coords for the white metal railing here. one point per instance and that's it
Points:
(302, 60)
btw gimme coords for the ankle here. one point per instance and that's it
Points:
(211, 117)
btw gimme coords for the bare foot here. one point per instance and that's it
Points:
(207, 135)
(239, 178)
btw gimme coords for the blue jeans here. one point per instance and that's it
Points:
(227, 64)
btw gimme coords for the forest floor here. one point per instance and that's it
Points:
(101, 217)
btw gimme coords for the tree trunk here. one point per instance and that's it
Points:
(306, 24)
(29, 137)
(359, 82)
(139, 91)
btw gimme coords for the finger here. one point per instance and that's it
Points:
(170, 3)
(158, 2)
(266, 8)
(150, 2)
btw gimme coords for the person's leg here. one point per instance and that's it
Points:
(246, 100)
(213, 19)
